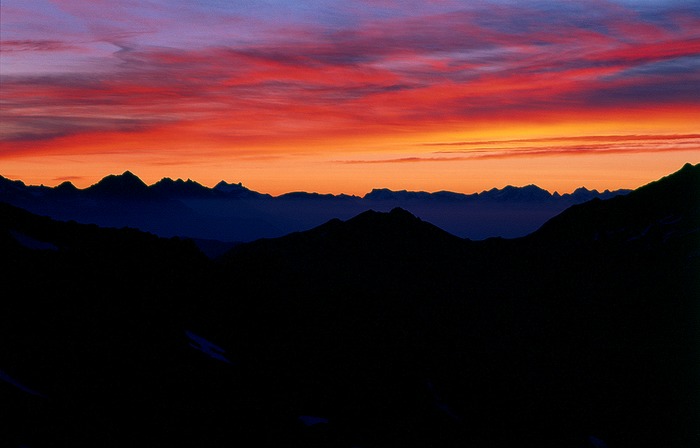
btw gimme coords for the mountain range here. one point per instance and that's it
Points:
(232, 213)
(381, 330)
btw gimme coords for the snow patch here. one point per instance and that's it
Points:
(208, 348)
(5, 377)
(32, 243)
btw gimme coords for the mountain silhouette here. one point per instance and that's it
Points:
(230, 212)
(383, 329)
(237, 191)
(126, 185)
(180, 188)
(663, 209)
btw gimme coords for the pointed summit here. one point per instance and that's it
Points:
(66, 186)
(64, 190)
(583, 194)
(126, 185)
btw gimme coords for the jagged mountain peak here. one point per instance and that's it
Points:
(226, 187)
(237, 190)
(126, 176)
(230, 187)
(179, 187)
(512, 193)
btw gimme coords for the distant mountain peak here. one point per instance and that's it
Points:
(66, 184)
(511, 193)
(127, 177)
(65, 187)
(384, 194)
(228, 187)
(236, 190)
(179, 187)
(125, 184)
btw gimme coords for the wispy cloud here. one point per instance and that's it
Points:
(568, 146)
(68, 178)
(575, 138)
(35, 45)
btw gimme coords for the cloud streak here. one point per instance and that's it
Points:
(568, 146)
(598, 138)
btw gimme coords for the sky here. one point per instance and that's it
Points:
(346, 96)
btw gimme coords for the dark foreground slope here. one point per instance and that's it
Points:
(379, 331)
(90, 324)
(587, 330)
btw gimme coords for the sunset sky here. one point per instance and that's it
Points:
(346, 96)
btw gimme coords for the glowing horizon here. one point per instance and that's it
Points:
(343, 97)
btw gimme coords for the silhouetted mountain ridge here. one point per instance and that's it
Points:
(232, 212)
(238, 190)
(126, 185)
(130, 185)
(664, 208)
(181, 188)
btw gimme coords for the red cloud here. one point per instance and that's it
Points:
(408, 73)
